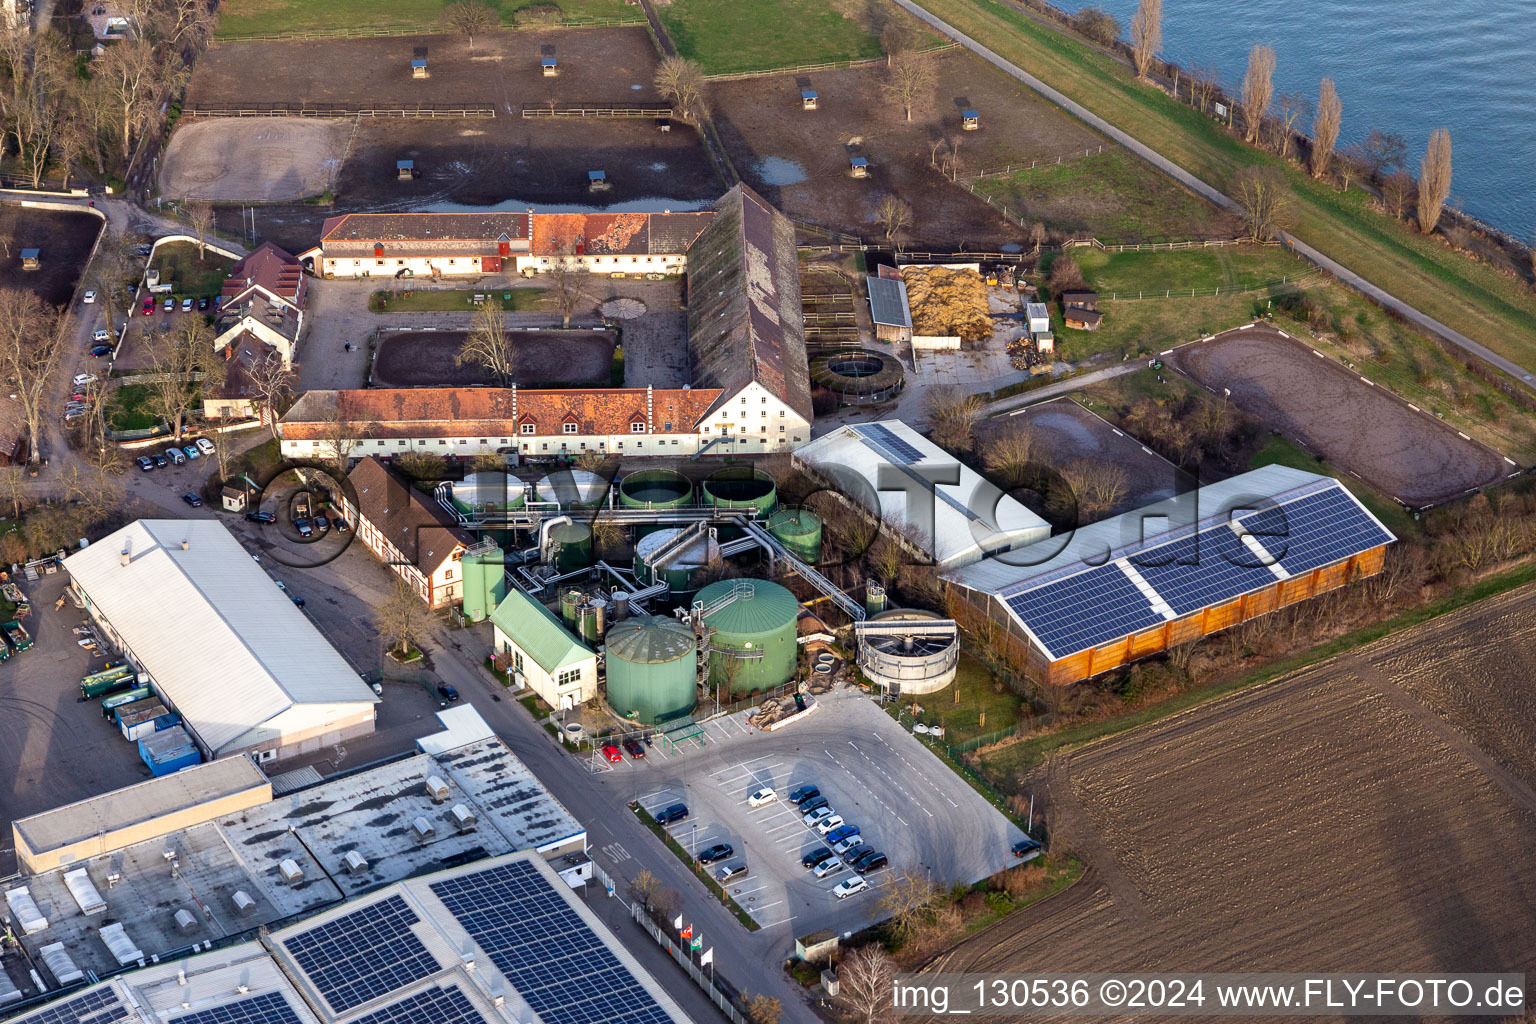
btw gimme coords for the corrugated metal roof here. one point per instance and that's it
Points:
(220, 640)
(650, 640)
(888, 302)
(542, 637)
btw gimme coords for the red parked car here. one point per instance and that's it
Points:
(611, 752)
(149, 307)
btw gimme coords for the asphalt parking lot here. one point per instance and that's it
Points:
(904, 800)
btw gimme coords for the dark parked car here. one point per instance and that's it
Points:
(1025, 847)
(145, 463)
(814, 803)
(260, 517)
(672, 815)
(719, 851)
(869, 860)
(101, 350)
(341, 525)
(447, 693)
(635, 747)
(192, 499)
(297, 600)
(800, 794)
(815, 857)
(302, 525)
(202, 303)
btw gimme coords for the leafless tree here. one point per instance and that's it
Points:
(1202, 86)
(419, 465)
(1434, 179)
(568, 279)
(910, 79)
(1398, 189)
(1097, 24)
(180, 359)
(1010, 454)
(31, 341)
(403, 618)
(13, 483)
(1258, 90)
(1037, 235)
(893, 215)
(682, 81)
(223, 442)
(952, 416)
(1265, 198)
(339, 437)
(864, 983)
(469, 18)
(1146, 35)
(644, 888)
(489, 344)
(271, 383)
(1065, 274)
(200, 217)
(1290, 107)
(1382, 152)
(895, 38)
(908, 900)
(131, 74)
(1093, 488)
(114, 270)
(1325, 127)
(762, 1009)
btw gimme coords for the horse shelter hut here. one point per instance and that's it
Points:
(1134, 585)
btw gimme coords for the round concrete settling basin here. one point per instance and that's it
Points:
(651, 669)
(752, 646)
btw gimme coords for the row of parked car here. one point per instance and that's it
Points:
(202, 304)
(846, 848)
(635, 747)
(175, 456)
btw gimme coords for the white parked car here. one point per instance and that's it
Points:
(829, 867)
(88, 298)
(762, 796)
(843, 848)
(850, 887)
(82, 379)
(819, 813)
(829, 823)
(101, 337)
(205, 446)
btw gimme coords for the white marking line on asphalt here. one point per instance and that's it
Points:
(765, 906)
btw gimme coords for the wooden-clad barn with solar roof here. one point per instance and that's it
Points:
(1072, 607)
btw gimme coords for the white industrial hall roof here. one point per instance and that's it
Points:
(942, 505)
(228, 648)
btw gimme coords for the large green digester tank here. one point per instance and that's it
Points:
(799, 530)
(684, 572)
(485, 579)
(651, 669)
(572, 488)
(753, 625)
(741, 487)
(573, 546)
(488, 493)
(654, 489)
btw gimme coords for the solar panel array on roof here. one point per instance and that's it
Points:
(437, 1005)
(1081, 607)
(363, 955)
(887, 443)
(563, 969)
(99, 1007)
(267, 1008)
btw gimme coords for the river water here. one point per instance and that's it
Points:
(1403, 66)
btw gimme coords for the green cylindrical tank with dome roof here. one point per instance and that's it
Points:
(651, 662)
(684, 573)
(753, 636)
(799, 530)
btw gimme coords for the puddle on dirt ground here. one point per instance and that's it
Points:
(652, 204)
(775, 170)
(658, 166)
(1013, 247)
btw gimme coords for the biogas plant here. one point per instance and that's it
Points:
(661, 595)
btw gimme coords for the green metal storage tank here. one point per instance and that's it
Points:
(799, 530)
(573, 546)
(570, 600)
(741, 487)
(489, 493)
(572, 488)
(651, 669)
(759, 619)
(684, 574)
(655, 488)
(485, 579)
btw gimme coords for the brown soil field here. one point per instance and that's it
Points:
(798, 159)
(259, 159)
(1373, 812)
(1358, 427)
(1064, 431)
(64, 240)
(418, 359)
(596, 65)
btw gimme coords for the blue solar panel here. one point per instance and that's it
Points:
(97, 1007)
(267, 1008)
(1202, 569)
(1085, 610)
(560, 967)
(1321, 528)
(363, 955)
(889, 445)
(437, 1005)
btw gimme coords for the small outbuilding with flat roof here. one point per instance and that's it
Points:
(807, 99)
(889, 309)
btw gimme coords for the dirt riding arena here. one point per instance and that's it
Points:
(610, 65)
(418, 359)
(259, 159)
(798, 159)
(64, 242)
(1354, 425)
(1375, 809)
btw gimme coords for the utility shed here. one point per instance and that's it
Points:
(31, 259)
(1164, 575)
(220, 643)
(419, 67)
(808, 99)
(951, 511)
(888, 308)
(560, 668)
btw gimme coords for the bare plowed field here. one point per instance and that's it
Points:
(1328, 822)
(417, 359)
(798, 159)
(256, 159)
(1354, 425)
(616, 65)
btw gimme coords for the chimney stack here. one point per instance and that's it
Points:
(185, 544)
(126, 557)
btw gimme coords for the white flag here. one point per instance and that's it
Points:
(678, 924)
(708, 957)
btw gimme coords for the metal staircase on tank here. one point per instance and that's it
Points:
(853, 609)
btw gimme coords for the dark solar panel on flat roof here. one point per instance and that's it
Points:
(1082, 611)
(436, 1005)
(1202, 569)
(97, 1007)
(885, 440)
(363, 955)
(267, 1008)
(559, 966)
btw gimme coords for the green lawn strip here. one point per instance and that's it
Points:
(453, 300)
(179, 265)
(728, 36)
(128, 408)
(1469, 296)
(695, 867)
(1060, 875)
(960, 707)
(1160, 274)
(1012, 760)
(265, 17)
